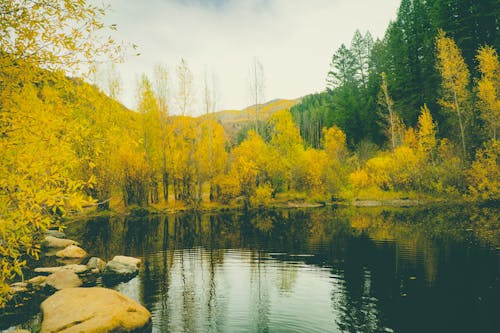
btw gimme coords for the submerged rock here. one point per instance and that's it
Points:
(23, 293)
(54, 242)
(93, 310)
(55, 233)
(72, 251)
(120, 269)
(63, 279)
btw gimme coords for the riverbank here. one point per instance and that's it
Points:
(281, 201)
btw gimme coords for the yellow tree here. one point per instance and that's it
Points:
(250, 162)
(37, 183)
(37, 168)
(426, 132)
(288, 145)
(455, 79)
(151, 132)
(334, 141)
(489, 88)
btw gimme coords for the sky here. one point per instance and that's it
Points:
(293, 39)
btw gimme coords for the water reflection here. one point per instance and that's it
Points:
(323, 270)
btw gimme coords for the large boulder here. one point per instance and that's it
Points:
(63, 279)
(72, 251)
(93, 310)
(54, 242)
(120, 269)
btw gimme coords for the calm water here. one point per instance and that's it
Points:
(320, 270)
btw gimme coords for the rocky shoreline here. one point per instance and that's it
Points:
(73, 289)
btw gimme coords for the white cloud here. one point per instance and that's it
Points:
(293, 39)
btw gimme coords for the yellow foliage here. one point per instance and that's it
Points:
(455, 81)
(334, 142)
(484, 175)
(359, 179)
(262, 195)
(489, 88)
(426, 132)
(313, 173)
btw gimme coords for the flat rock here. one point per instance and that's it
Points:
(77, 269)
(63, 279)
(54, 242)
(72, 251)
(95, 310)
(96, 263)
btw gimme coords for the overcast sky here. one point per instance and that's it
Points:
(293, 39)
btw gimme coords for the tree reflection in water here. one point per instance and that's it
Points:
(326, 270)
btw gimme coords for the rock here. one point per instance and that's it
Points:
(93, 310)
(87, 275)
(18, 287)
(77, 269)
(96, 263)
(116, 271)
(72, 251)
(37, 282)
(55, 233)
(54, 242)
(63, 279)
(70, 261)
(127, 260)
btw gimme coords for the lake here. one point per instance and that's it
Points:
(426, 269)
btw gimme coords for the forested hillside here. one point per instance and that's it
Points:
(407, 55)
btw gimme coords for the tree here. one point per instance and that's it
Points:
(38, 177)
(257, 88)
(185, 96)
(151, 134)
(489, 89)
(215, 139)
(360, 48)
(54, 33)
(392, 119)
(342, 68)
(426, 132)
(161, 90)
(455, 81)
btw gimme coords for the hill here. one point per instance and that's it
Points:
(235, 120)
